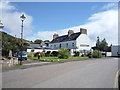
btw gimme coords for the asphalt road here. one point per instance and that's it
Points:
(97, 73)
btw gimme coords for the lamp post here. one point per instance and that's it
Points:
(98, 46)
(22, 19)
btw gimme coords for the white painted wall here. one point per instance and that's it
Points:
(35, 50)
(63, 45)
(41, 50)
(115, 50)
(83, 39)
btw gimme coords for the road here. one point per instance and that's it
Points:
(96, 73)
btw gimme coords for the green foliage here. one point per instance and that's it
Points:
(102, 45)
(42, 55)
(63, 53)
(55, 53)
(47, 53)
(31, 55)
(96, 54)
(38, 41)
(46, 41)
(36, 54)
(89, 55)
(76, 53)
(11, 43)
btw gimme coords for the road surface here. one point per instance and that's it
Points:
(96, 73)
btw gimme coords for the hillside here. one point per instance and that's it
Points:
(11, 43)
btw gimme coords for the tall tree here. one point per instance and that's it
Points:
(103, 45)
(98, 43)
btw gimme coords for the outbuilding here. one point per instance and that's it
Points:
(115, 50)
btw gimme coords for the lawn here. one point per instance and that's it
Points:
(55, 59)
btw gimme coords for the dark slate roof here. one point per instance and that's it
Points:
(64, 38)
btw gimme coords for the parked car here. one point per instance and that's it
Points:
(24, 55)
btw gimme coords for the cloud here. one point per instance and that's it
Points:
(6, 6)
(12, 22)
(110, 6)
(103, 24)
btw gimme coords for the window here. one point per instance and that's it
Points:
(51, 46)
(73, 44)
(66, 44)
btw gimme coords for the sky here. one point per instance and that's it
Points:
(43, 19)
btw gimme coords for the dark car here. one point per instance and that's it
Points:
(24, 55)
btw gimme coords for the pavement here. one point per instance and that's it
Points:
(26, 64)
(96, 73)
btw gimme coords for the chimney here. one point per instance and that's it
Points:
(83, 31)
(55, 36)
(70, 32)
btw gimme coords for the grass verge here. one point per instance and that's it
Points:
(56, 59)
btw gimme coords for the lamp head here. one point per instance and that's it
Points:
(22, 17)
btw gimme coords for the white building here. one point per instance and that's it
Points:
(1, 29)
(115, 50)
(73, 41)
(1, 26)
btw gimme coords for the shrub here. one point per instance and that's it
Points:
(96, 54)
(63, 53)
(89, 55)
(42, 54)
(76, 53)
(31, 55)
(36, 54)
(55, 53)
(82, 55)
(47, 53)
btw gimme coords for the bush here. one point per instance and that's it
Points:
(36, 54)
(47, 53)
(76, 53)
(89, 55)
(55, 53)
(96, 54)
(42, 54)
(82, 55)
(63, 53)
(31, 55)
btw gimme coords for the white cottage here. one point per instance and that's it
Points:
(73, 41)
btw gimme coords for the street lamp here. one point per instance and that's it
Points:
(98, 45)
(22, 19)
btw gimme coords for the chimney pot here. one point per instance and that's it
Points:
(70, 32)
(83, 31)
(55, 36)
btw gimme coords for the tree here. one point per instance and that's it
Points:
(103, 45)
(11, 43)
(38, 41)
(98, 43)
(46, 41)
